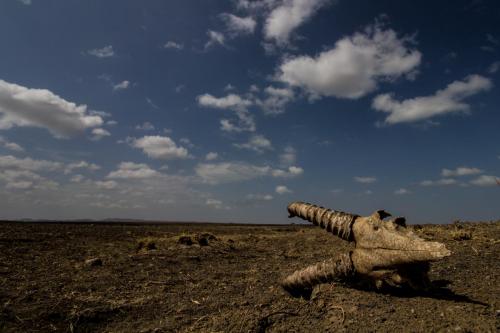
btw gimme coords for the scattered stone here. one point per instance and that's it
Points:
(185, 240)
(93, 262)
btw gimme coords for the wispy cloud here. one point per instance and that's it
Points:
(449, 100)
(105, 52)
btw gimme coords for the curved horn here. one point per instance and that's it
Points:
(324, 272)
(338, 223)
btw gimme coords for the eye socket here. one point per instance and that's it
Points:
(375, 227)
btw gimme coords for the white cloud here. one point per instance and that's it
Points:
(448, 100)
(11, 162)
(239, 25)
(160, 147)
(402, 191)
(229, 102)
(173, 45)
(20, 173)
(131, 170)
(211, 156)
(257, 143)
(288, 16)
(19, 185)
(227, 172)
(259, 197)
(276, 99)
(111, 122)
(25, 2)
(460, 171)
(354, 67)
(485, 180)
(439, 182)
(146, 126)
(233, 102)
(214, 203)
(215, 38)
(99, 133)
(229, 87)
(77, 178)
(81, 165)
(494, 67)
(292, 171)
(289, 156)
(121, 86)
(24, 107)
(10, 145)
(105, 52)
(365, 180)
(106, 184)
(282, 189)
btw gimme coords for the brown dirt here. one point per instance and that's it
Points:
(227, 280)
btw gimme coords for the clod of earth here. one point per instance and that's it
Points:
(386, 253)
(92, 262)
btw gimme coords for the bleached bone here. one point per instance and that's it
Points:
(385, 252)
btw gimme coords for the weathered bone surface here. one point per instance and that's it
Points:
(386, 252)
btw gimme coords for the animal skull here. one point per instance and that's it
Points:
(385, 252)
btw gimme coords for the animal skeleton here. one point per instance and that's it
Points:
(386, 252)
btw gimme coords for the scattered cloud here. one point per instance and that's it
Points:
(257, 143)
(486, 180)
(289, 156)
(179, 88)
(229, 172)
(365, 180)
(354, 66)
(214, 203)
(288, 16)
(173, 45)
(11, 162)
(105, 52)
(25, 107)
(282, 189)
(160, 147)
(229, 87)
(99, 133)
(292, 171)
(439, 182)
(401, 191)
(25, 2)
(151, 103)
(131, 170)
(121, 86)
(211, 156)
(494, 67)
(22, 173)
(215, 38)
(460, 171)
(10, 145)
(259, 197)
(77, 178)
(239, 25)
(231, 101)
(81, 165)
(276, 99)
(448, 100)
(245, 122)
(146, 126)
(106, 184)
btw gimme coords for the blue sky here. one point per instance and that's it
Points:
(228, 110)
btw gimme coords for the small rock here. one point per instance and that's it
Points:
(186, 240)
(93, 262)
